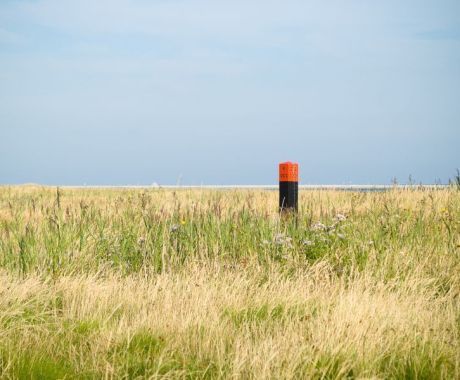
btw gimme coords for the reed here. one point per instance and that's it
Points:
(214, 284)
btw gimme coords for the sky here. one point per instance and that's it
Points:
(118, 92)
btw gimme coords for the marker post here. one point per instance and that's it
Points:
(289, 186)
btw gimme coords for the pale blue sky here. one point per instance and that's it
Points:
(219, 92)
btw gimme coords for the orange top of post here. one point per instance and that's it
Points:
(289, 172)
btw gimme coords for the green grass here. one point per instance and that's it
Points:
(215, 284)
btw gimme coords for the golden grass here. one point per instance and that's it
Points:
(231, 291)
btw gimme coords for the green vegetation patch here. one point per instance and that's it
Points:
(146, 354)
(266, 313)
(36, 364)
(425, 361)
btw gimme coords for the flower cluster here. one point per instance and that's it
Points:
(333, 228)
(283, 240)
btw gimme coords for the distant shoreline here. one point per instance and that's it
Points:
(361, 187)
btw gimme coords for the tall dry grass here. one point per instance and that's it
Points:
(213, 284)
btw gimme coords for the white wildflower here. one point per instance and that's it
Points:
(331, 228)
(318, 227)
(174, 228)
(340, 217)
(281, 239)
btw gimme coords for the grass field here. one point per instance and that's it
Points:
(213, 284)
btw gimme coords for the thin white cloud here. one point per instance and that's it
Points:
(10, 38)
(238, 20)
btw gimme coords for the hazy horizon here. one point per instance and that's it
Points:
(139, 92)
